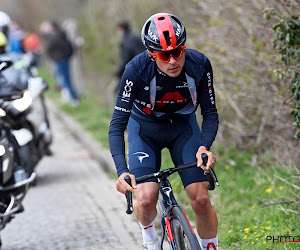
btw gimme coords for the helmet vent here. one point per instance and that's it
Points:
(167, 37)
(161, 18)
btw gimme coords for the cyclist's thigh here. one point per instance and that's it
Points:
(143, 155)
(184, 151)
(198, 189)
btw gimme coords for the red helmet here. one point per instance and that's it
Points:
(163, 32)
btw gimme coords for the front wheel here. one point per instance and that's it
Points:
(184, 236)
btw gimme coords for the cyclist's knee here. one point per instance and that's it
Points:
(147, 201)
(147, 195)
(199, 197)
(200, 203)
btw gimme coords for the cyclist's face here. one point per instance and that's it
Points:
(173, 67)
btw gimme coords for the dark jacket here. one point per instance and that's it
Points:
(55, 45)
(130, 47)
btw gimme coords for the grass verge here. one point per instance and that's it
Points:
(246, 202)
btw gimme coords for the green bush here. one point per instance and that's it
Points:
(287, 43)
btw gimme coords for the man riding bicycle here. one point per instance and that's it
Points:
(160, 91)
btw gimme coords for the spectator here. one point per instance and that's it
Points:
(130, 46)
(59, 50)
(70, 26)
(16, 36)
(31, 46)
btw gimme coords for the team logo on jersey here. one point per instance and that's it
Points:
(185, 85)
(127, 91)
(171, 97)
(122, 109)
(141, 156)
(210, 91)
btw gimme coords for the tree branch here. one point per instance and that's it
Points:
(293, 185)
(280, 202)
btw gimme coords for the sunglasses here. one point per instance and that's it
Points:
(165, 56)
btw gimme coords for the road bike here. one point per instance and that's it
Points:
(175, 223)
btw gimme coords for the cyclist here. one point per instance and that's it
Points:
(159, 93)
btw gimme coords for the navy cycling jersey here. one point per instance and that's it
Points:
(146, 93)
(172, 93)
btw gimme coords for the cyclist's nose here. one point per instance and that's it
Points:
(172, 60)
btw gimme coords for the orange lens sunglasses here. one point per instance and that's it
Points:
(165, 56)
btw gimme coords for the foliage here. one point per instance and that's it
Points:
(92, 118)
(287, 42)
(236, 39)
(243, 201)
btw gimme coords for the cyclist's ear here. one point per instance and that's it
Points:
(149, 53)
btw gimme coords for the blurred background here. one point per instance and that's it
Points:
(237, 37)
(254, 48)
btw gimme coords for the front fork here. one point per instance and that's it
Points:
(167, 202)
(166, 221)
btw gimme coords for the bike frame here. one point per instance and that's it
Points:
(167, 202)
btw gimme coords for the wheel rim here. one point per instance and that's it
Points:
(181, 241)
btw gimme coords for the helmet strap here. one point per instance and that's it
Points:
(152, 58)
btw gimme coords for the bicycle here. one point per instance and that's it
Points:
(175, 223)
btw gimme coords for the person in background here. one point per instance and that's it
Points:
(16, 36)
(59, 49)
(5, 29)
(70, 26)
(130, 46)
(31, 46)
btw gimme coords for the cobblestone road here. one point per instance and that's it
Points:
(73, 206)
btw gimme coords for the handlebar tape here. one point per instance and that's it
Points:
(129, 196)
(211, 175)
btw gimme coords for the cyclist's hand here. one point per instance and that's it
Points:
(211, 162)
(122, 186)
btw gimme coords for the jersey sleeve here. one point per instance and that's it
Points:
(210, 122)
(120, 117)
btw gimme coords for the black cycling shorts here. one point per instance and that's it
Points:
(146, 139)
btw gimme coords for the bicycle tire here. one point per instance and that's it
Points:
(184, 236)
